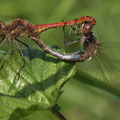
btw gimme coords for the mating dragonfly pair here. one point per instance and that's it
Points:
(82, 28)
(22, 28)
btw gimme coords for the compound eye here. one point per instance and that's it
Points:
(85, 28)
(88, 27)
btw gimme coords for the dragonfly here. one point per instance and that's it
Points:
(93, 49)
(21, 28)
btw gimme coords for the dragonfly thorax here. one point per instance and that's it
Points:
(90, 45)
(18, 28)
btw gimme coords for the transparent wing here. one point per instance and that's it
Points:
(107, 63)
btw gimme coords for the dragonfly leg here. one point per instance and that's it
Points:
(64, 39)
(70, 33)
(25, 46)
(9, 51)
(72, 42)
(17, 46)
(72, 28)
(75, 29)
(17, 76)
(3, 42)
(2, 39)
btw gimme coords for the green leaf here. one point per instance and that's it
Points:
(34, 84)
(97, 85)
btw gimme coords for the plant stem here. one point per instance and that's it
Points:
(60, 116)
(55, 110)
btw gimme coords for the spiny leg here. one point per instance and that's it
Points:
(22, 42)
(76, 29)
(22, 66)
(70, 33)
(72, 42)
(9, 51)
(24, 45)
(9, 41)
(3, 42)
(72, 28)
(2, 39)
(64, 39)
(17, 46)
(21, 53)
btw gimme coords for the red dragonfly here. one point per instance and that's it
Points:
(84, 19)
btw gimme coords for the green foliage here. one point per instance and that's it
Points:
(32, 85)
(83, 97)
(99, 86)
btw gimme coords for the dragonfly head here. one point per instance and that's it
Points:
(86, 28)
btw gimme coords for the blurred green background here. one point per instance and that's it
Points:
(78, 102)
